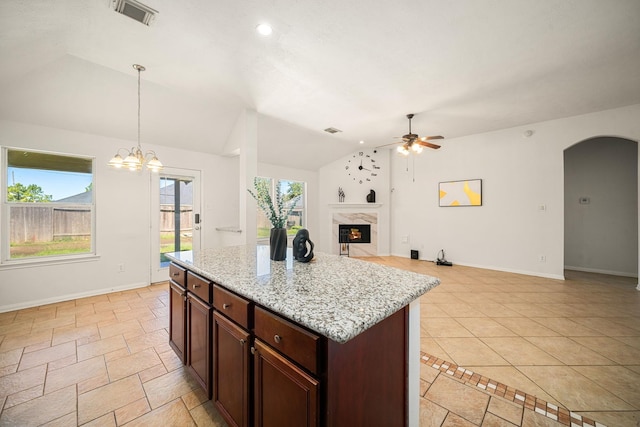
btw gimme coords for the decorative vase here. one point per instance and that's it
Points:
(278, 244)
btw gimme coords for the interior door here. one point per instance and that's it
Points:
(176, 222)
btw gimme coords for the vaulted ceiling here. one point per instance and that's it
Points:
(463, 67)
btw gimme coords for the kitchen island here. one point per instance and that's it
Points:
(332, 342)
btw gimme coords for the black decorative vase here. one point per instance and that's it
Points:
(278, 244)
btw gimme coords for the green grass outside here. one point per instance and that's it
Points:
(62, 246)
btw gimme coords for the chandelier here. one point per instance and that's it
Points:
(135, 158)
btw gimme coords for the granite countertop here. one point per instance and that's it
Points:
(336, 296)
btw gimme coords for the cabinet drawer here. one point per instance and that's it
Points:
(178, 274)
(199, 286)
(231, 305)
(291, 340)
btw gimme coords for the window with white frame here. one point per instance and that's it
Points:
(48, 205)
(293, 192)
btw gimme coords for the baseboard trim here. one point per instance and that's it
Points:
(600, 271)
(68, 297)
(506, 270)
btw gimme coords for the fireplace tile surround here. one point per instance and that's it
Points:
(360, 249)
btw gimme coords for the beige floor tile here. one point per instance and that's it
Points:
(144, 341)
(506, 410)
(173, 413)
(46, 355)
(443, 327)
(71, 333)
(194, 398)
(75, 373)
(634, 368)
(69, 420)
(100, 347)
(153, 372)
(618, 380)
(491, 420)
(128, 328)
(93, 383)
(42, 409)
(132, 411)
(92, 319)
(454, 420)
(614, 419)
(568, 351)
(57, 322)
(22, 380)
(107, 420)
(485, 327)
(533, 419)
(470, 351)
(16, 328)
(206, 415)
(494, 310)
(36, 314)
(574, 390)
(24, 395)
(525, 327)
(168, 387)
(632, 341)
(132, 364)
(14, 341)
(454, 396)
(11, 357)
(108, 398)
(428, 373)
(431, 310)
(10, 369)
(460, 310)
(155, 324)
(530, 310)
(431, 415)
(139, 314)
(612, 349)
(606, 326)
(518, 351)
(566, 327)
(432, 348)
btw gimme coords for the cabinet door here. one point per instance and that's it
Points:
(285, 396)
(178, 320)
(231, 371)
(198, 341)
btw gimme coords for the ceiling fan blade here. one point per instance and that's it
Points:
(427, 138)
(393, 143)
(426, 144)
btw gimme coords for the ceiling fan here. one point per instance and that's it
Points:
(415, 143)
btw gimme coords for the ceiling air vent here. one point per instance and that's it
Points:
(135, 10)
(332, 130)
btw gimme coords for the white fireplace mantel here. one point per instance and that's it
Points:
(355, 205)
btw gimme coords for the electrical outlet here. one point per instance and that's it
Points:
(542, 258)
(120, 268)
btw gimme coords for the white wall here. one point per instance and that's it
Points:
(520, 174)
(122, 217)
(602, 235)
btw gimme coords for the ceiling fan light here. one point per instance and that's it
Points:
(116, 161)
(416, 148)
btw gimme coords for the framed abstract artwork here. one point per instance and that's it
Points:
(461, 193)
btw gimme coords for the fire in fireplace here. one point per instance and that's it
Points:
(354, 233)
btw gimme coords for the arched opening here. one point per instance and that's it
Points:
(601, 207)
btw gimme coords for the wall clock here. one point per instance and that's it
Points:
(362, 166)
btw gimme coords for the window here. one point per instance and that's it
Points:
(290, 191)
(48, 205)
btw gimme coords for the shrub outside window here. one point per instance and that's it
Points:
(48, 205)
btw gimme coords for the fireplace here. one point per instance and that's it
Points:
(354, 233)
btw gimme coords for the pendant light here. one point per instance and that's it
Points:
(135, 159)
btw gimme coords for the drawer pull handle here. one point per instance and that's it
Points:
(277, 338)
(196, 286)
(175, 274)
(225, 306)
(242, 342)
(253, 350)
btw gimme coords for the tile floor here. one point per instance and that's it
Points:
(496, 345)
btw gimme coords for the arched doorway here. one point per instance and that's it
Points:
(601, 206)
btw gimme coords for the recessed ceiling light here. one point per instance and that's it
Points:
(361, 142)
(264, 29)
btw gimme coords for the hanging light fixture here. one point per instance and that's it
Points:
(135, 159)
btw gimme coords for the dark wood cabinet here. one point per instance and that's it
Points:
(231, 370)
(284, 394)
(178, 320)
(199, 317)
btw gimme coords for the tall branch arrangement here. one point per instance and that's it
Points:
(279, 212)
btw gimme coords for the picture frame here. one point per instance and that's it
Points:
(460, 193)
